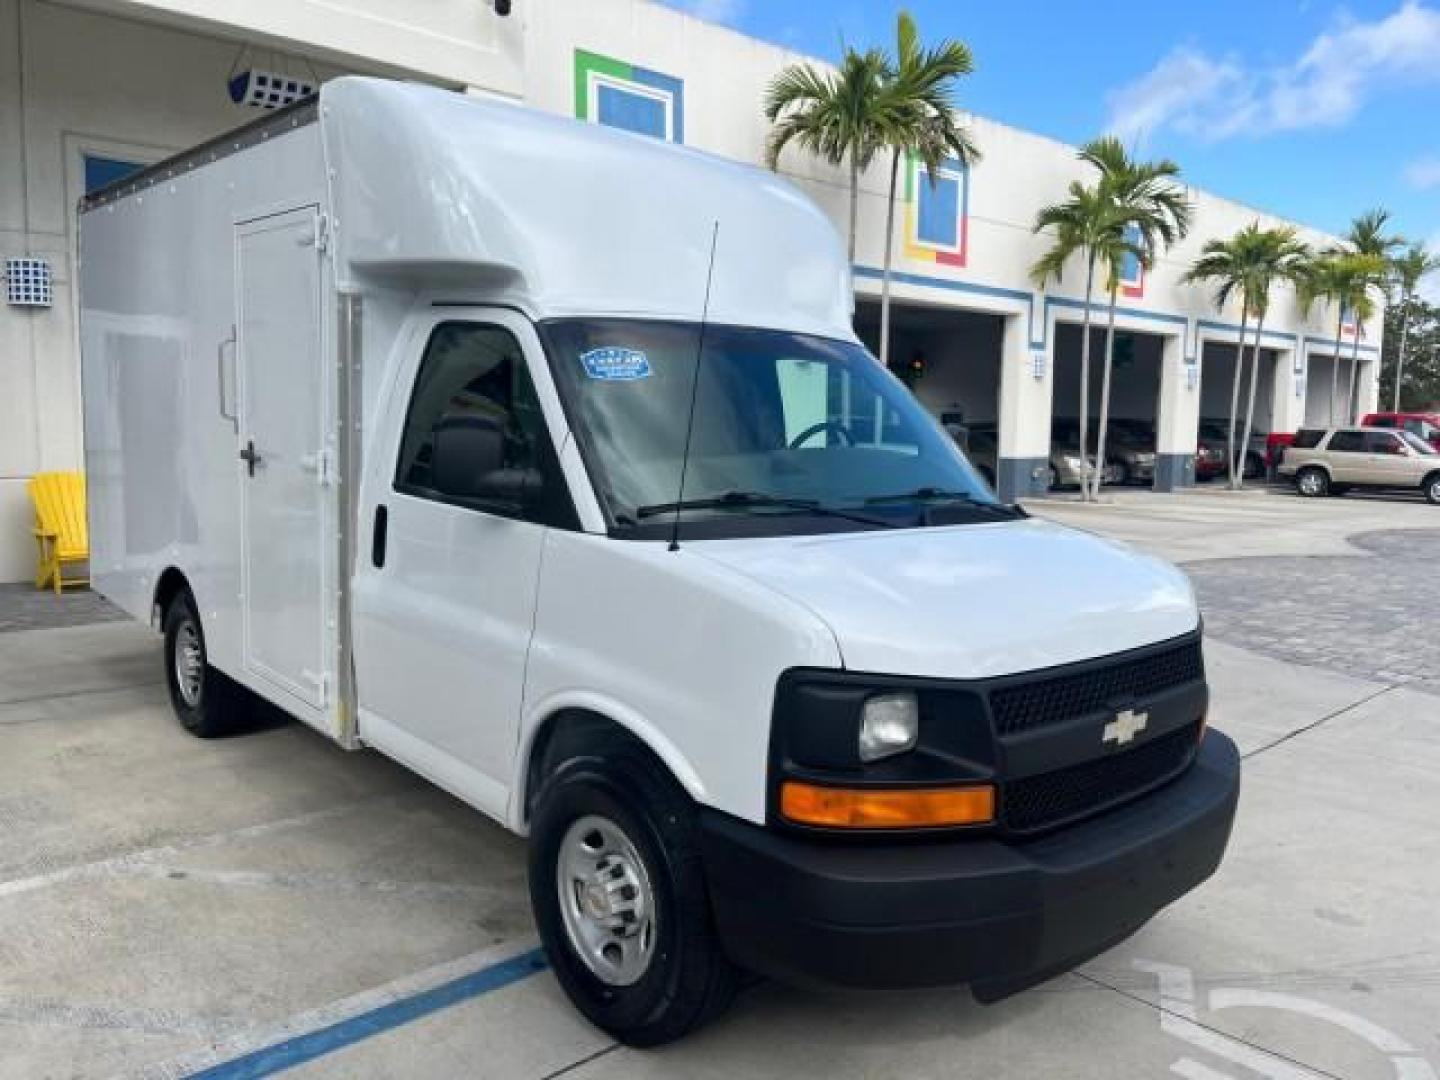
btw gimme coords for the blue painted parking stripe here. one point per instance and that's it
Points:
(270, 1060)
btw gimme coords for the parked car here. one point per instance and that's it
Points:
(982, 447)
(1130, 449)
(983, 450)
(1067, 466)
(1332, 462)
(1422, 425)
(1215, 444)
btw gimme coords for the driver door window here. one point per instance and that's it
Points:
(476, 371)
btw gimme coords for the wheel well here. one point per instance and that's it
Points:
(572, 732)
(1430, 478)
(172, 582)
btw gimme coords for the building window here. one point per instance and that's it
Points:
(621, 95)
(101, 171)
(937, 213)
(1132, 272)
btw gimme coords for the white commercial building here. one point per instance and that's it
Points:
(90, 89)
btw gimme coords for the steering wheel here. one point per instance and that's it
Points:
(824, 425)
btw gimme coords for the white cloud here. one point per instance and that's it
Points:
(716, 11)
(1423, 172)
(1217, 98)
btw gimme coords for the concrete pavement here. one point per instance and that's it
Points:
(169, 905)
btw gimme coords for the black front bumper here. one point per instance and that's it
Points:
(998, 915)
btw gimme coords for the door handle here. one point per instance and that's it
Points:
(225, 375)
(250, 457)
(377, 538)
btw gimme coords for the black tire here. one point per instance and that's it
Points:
(688, 979)
(213, 704)
(1253, 468)
(1312, 482)
(1431, 488)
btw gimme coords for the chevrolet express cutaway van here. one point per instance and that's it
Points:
(543, 458)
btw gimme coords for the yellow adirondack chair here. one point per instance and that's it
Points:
(61, 532)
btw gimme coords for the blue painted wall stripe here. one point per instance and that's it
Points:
(302, 1048)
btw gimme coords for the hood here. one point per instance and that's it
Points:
(970, 601)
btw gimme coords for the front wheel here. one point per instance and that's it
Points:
(1312, 482)
(619, 896)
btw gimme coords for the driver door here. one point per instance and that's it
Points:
(445, 587)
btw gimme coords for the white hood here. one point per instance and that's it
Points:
(970, 601)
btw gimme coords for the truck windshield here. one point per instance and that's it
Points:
(791, 432)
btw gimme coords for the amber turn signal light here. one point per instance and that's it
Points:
(872, 808)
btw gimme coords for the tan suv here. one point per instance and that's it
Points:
(1333, 462)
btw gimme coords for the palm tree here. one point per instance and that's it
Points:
(1154, 214)
(834, 115)
(1343, 278)
(1245, 267)
(1409, 268)
(1368, 237)
(917, 115)
(1085, 224)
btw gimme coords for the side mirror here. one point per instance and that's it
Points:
(468, 462)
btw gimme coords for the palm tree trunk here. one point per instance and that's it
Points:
(1335, 365)
(1400, 356)
(1350, 401)
(1250, 405)
(1235, 396)
(1109, 363)
(1085, 376)
(885, 277)
(854, 203)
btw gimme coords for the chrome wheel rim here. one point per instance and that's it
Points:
(1310, 484)
(1435, 492)
(606, 900)
(189, 663)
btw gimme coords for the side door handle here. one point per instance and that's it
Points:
(377, 538)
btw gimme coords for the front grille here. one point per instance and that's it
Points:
(1032, 704)
(1055, 797)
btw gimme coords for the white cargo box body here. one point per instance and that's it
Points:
(246, 299)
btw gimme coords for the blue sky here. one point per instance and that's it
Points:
(1311, 109)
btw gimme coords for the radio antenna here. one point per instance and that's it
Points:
(694, 387)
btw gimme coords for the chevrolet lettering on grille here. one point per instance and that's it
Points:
(1124, 727)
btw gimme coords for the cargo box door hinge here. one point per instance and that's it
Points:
(321, 682)
(322, 464)
(321, 236)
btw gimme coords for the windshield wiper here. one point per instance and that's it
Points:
(741, 500)
(934, 494)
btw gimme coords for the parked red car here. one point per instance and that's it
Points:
(1422, 424)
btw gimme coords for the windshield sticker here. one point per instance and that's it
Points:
(614, 364)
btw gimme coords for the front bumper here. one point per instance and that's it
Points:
(999, 915)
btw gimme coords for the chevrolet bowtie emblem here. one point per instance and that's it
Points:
(1124, 727)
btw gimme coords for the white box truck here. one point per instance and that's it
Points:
(544, 459)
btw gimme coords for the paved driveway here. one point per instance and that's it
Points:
(269, 902)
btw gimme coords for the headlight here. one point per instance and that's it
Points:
(889, 725)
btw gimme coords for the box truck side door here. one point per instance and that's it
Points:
(281, 462)
(460, 487)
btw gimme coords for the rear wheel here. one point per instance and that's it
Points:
(619, 897)
(207, 702)
(1312, 482)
